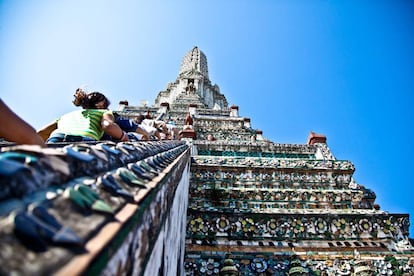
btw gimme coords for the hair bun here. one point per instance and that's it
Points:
(80, 97)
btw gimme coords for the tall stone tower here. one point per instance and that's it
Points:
(222, 201)
(258, 207)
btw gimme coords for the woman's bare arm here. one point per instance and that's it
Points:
(15, 129)
(112, 129)
(46, 130)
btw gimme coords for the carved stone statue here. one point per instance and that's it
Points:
(190, 88)
(188, 119)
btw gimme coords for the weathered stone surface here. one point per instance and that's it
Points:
(132, 219)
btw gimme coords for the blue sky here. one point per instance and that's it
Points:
(340, 68)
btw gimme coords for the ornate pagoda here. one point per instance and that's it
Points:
(258, 207)
(221, 201)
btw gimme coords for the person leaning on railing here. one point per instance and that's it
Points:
(130, 127)
(88, 124)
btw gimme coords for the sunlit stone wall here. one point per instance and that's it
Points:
(138, 255)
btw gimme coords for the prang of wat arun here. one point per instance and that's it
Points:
(265, 208)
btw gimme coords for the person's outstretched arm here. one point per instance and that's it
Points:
(15, 129)
(46, 130)
(143, 132)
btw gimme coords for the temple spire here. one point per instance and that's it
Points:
(193, 85)
(194, 62)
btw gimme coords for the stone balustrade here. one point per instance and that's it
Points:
(99, 208)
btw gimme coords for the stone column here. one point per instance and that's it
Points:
(192, 108)
(122, 105)
(234, 111)
(246, 123)
(259, 135)
(316, 138)
(163, 110)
